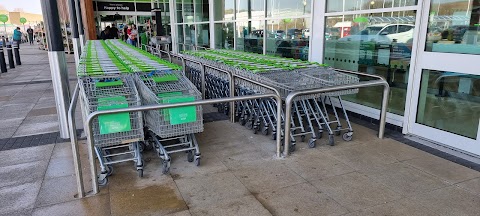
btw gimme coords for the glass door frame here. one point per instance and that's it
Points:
(441, 62)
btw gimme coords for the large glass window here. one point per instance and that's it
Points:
(188, 11)
(250, 9)
(190, 37)
(454, 27)
(450, 101)
(203, 35)
(373, 43)
(224, 9)
(201, 10)
(288, 8)
(250, 36)
(180, 36)
(179, 11)
(224, 33)
(288, 38)
(355, 5)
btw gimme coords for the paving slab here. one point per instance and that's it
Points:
(268, 175)
(247, 206)
(60, 167)
(361, 157)
(18, 199)
(19, 156)
(472, 185)
(449, 171)
(314, 165)
(22, 173)
(396, 208)
(210, 189)
(57, 190)
(91, 206)
(355, 191)
(450, 201)
(37, 125)
(300, 199)
(151, 200)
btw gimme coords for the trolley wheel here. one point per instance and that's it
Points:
(140, 173)
(103, 182)
(319, 134)
(243, 121)
(190, 157)
(331, 140)
(197, 162)
(274, 136)
(293, 147)
(249, 125)
(302, 138)
(265, 131)
(347, 137)
(109, 170)
(141, 146)
(312, 143)
(148, 146)
(166, 167)
(338, 131)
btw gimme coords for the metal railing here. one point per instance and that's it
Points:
(288, 102)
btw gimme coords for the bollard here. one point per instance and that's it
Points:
(11, 63)
(3, 63)
(16, 52)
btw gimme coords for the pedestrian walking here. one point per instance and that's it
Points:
(17, 36)
(30, 35)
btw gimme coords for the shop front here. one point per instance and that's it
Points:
(426, 49)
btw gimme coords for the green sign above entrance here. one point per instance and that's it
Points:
(23, 20)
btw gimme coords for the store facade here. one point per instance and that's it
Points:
(425, 48)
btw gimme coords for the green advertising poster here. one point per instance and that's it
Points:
(3, 18)
(23, 20)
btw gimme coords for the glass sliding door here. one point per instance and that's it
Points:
(446, 92)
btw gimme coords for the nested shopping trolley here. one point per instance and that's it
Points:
(285, 75)
(105, 85)
(171, 130)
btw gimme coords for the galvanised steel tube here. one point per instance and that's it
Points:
(78, 13)
(74, 26)
(91, 116)
(58, 64)
(293, 95)
(73, 141)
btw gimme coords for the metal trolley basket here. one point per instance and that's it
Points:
(116, 136)
(171, 130)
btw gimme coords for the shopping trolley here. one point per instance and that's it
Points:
(116, 137)
(171, 130)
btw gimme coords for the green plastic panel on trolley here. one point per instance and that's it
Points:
(113, 123)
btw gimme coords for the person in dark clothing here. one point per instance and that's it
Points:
(30, 35)
(105, 33)
(125, 35)
(114, 32)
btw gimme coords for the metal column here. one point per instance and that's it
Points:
(58, 64)
(11, 63)
(74, 27)
(78, 10)
(3, 63)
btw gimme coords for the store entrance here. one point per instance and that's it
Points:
(120, 21)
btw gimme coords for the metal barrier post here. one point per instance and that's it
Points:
(11, 63)
(292, 95)
(3, 64)
(73, 141)
(16, 52)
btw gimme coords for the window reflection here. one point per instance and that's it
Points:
(201, 10)
(354, 5)
(376, 44)
(224, 9)
(288, 8)
(450, 101)
(454, 27)
(250, 9)
(224, 35)
(203, 35)
(250, 36)
(288, 38)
